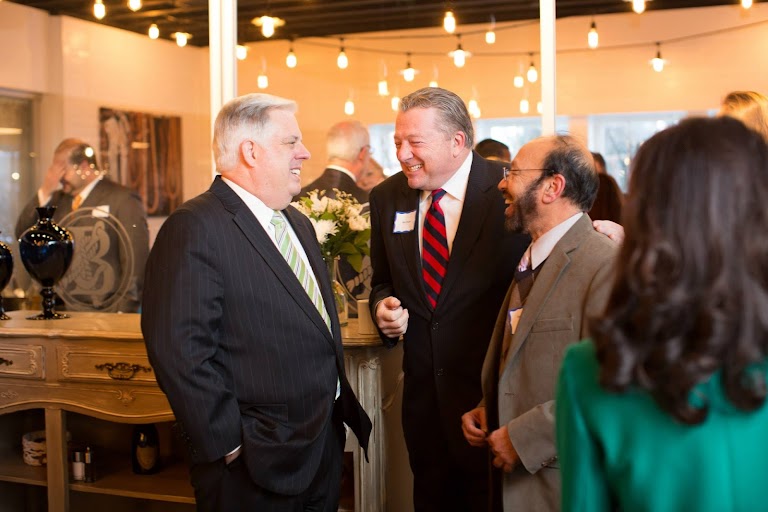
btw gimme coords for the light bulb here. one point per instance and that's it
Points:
(490, 37)
(532, 73)
(524, 106)
(383, 88)
(181, 38)
(409, 73)
(342, 61)
(99, 10)
(539, 107)
(518, 81)
(134, 5)
(638, 6)
(459, 57)
(746, 4)
(154, 31)
(395, 103)
(267, 26)
(449, 22)
(290, 60)
(262, 81)
(433, 83)
(473, 108)
(241, 52)
(592, 37)
(349, 107)
(657, 63)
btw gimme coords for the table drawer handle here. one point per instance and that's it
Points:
(7, 362)
(122, 371)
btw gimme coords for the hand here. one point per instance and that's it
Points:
(610, 229)
(52, 179)
(232, 456)
(475, 427)
(504, 454)
(391, 318)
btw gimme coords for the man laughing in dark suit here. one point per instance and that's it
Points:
(438, 279)
(238, 329)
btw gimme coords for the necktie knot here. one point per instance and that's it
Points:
(278, 222)
(437, 195)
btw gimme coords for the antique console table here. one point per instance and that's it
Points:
(95, 366)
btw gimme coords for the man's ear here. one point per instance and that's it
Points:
(553, 188)
(249, 152)
(459, 140)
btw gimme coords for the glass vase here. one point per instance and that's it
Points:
(339, 297)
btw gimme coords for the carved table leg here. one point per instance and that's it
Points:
(58, 465)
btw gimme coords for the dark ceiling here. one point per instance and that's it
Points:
(320, 18)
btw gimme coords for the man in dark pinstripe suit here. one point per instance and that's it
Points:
(252, 367)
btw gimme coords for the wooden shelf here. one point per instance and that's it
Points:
(170, 484)
(13, 469)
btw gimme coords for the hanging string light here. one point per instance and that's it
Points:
(290, 60)
(433, 82)
(154, 31)
(408, 73)
(657, 63)
(525, 107)
(592, 37)
(268, 24)
(395, 102)
(533, 73)
(746, 4)
(459, 55)
(490, 36)
(99, 9)
(241, 52)
(349, 105)
(134, 5)
(181, 38)
(449, 22)
(518, 81)
(473, 107)
(342, 61)
(638, 5)
(383, 86)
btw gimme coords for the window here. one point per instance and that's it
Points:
(618, 136)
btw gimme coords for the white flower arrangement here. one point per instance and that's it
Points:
(340, 226)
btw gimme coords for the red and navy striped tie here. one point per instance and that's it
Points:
(435, 252)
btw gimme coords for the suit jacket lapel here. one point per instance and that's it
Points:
(409, 241)
(481, 192)
(556, 264)
(260, 241)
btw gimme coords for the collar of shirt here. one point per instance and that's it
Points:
(541, 248)
(341, 169)
(262, 212)
(456, 186)
(89, 188)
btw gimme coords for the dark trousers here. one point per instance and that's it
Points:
(228, 488)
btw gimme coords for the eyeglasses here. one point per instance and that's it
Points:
(516, 172)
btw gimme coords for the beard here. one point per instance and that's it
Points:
(524, 210)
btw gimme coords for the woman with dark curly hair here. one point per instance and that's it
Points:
(665, 410)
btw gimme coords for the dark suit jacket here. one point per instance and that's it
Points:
(238, 346)
(126, 206)
(444, 349)
(333, 178)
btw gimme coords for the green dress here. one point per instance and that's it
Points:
(622, 452)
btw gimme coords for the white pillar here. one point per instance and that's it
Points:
(222, 39)
(547, 34)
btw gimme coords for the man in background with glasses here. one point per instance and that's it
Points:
(561, 281)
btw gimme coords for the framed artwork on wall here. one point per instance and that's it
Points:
(143, 152)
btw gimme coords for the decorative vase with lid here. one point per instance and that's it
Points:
(46, 251)
(6, 271)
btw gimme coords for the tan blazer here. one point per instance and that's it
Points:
(572, 286)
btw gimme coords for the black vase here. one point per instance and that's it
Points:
(6, 270)
(46, 251)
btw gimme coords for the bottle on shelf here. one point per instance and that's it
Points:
(145, 449)
(88, 465)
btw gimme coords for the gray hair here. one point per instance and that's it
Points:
(345, 140)
(244, 117)
(571, 158)
(453, 112)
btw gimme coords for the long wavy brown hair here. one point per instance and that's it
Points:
(691, 293)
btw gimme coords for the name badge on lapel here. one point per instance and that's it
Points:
(405, 222)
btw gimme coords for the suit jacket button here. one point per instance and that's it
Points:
(440, 372)
(435, 325)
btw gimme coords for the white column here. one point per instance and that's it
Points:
(547, 34)
(222, 39)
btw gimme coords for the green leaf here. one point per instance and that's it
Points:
(356, 262)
